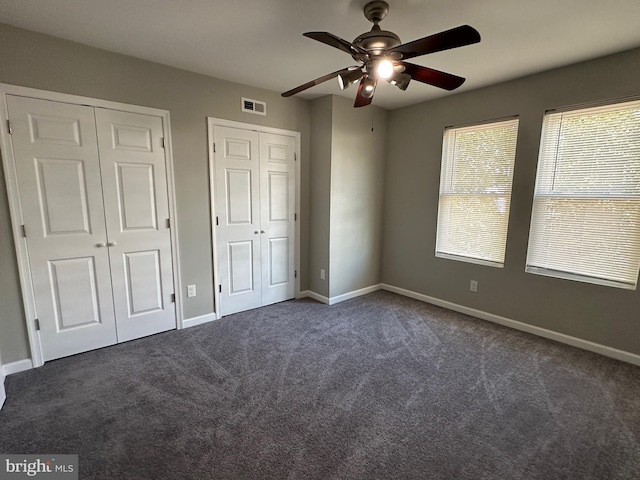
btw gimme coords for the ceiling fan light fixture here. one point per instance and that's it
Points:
(368, 87)
(384, 69)
(346, 79)
(400, 80)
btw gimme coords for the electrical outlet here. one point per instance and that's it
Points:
(322, 274)
(191, 290)
(473, 286)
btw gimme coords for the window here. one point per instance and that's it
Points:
(475, 192)
(585, 223)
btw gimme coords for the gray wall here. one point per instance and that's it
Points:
(347, 166)
(357, 190)
(13, 331)
(39, 61)
(605, 315)
(320, 193)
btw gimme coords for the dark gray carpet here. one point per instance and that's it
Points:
(378, 387)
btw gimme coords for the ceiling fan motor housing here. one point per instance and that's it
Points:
(377, 40)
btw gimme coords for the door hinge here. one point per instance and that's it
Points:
(163, 144)
(220, 288)
(37, 322)
(168, 223)
(9, 127)
(295, 274)
(295, 157)
(217, 221)
(214, 148)
(173, 298)
(24, 231)
(295, 217)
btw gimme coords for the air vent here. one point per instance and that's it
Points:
(254, 106)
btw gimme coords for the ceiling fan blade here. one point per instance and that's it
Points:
(336, 42)
(456, 37)
(361, 99)
(317, 81)
(433, 77)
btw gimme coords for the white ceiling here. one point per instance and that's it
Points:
(260, 42)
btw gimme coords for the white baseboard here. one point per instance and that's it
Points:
(339, 298)
(524, 327)
(193, 321)
(314, 295)
(8, 369)
(354, 294)
(16, 367)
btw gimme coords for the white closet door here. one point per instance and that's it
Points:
(237, 197)
(58, 171)
(255, 200)
(132, 160)
(277, 200)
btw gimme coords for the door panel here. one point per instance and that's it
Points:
(239, 201)
(58, 173)
(144, 282)
(54, 129)
(278, 196)
(241, 267)
(237, 197)
(277, 173)
(278, 261)
(75, 293)
(133, 172)
(62, 194)
(136, 197)
(131, 138)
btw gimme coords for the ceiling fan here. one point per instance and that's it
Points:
(381, 56)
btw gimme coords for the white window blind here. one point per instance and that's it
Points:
(585, 223)
(475, 192)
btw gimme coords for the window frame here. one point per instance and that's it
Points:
(446, 173)
(589, 108)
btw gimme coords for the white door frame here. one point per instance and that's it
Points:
(213, 122)
(11, 180)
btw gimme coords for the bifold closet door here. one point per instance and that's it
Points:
(255, 201)
(56, 156)
(136, 205)
(93, 193)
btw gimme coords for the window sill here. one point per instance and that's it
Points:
(477, 261)
(578, 278)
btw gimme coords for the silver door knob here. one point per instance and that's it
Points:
(101, 244)
(112, 244)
